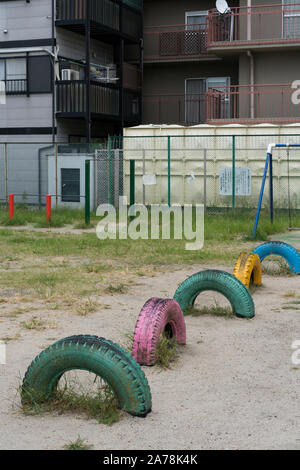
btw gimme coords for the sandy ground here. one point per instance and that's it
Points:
(234, 386)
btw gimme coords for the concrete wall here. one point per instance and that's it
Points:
(194, 148)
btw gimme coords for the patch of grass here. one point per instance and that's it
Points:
(34, 324)
(79, 444)
(96, 268)
(166, 351)
(117, 289)
(290, 293)
(290, 307)
(86, 307)
(100, 404)
(214, 310)
(128, 341)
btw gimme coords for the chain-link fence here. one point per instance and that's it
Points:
(217, 171)
(32, 171)
(221, 172)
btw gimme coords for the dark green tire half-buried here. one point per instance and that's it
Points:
(226, 284)
(97, 355)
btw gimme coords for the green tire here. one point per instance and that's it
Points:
(91, 353)
(226, 284)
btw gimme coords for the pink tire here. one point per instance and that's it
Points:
(156, 315)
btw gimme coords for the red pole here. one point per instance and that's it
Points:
(11, 206)
(48, 208)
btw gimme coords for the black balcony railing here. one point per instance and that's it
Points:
(71, 98)
(106, 13)
(16, 87)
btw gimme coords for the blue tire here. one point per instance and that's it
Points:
(288, 252)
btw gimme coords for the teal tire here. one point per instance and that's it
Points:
(97, 355)
(226, 284)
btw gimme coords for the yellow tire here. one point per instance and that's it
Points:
(248, 267)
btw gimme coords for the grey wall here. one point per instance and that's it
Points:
(23, 111)
(25, 20)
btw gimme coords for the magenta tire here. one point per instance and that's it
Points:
(156, 315)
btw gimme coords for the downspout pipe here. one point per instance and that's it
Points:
(252, 84)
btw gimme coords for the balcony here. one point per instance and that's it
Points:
(104, 102)
(175, 43)
(243, 104)
(105, 18)
(185, 110)
(240, 104)
(71, 99)
(261, 26)
(16, 87)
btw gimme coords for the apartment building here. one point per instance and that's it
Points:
(201, 66)
(64, 67)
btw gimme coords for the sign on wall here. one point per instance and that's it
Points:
(242, 181)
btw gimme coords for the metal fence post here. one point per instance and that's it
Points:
(109, 171)
(233, 172)
(87, 192)
(56, 175)
(132, 182)
(6, 172)
(169, 171)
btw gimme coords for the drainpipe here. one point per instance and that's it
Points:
(249, 20)
(252, 107)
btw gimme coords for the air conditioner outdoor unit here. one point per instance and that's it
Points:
(66, 74)
(75, 75)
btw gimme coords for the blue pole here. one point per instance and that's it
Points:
(261, 194)
(271, 190)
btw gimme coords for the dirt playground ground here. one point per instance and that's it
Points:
(234, 385)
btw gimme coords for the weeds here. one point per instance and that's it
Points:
(117, 289)
(166, 351)
(213, 310)
(100, 404)
(79, 444)
(34, 324)
(86, 307)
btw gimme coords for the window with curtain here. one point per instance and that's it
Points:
(291, 19)
(13, 72)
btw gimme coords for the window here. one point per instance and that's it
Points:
(195, 36)
(70, 184)
(13, 72)
(195, 19)
(24, 75)
(291, 19)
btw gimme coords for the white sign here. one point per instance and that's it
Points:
(2, 353)
(149, 180)
(242, 181)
